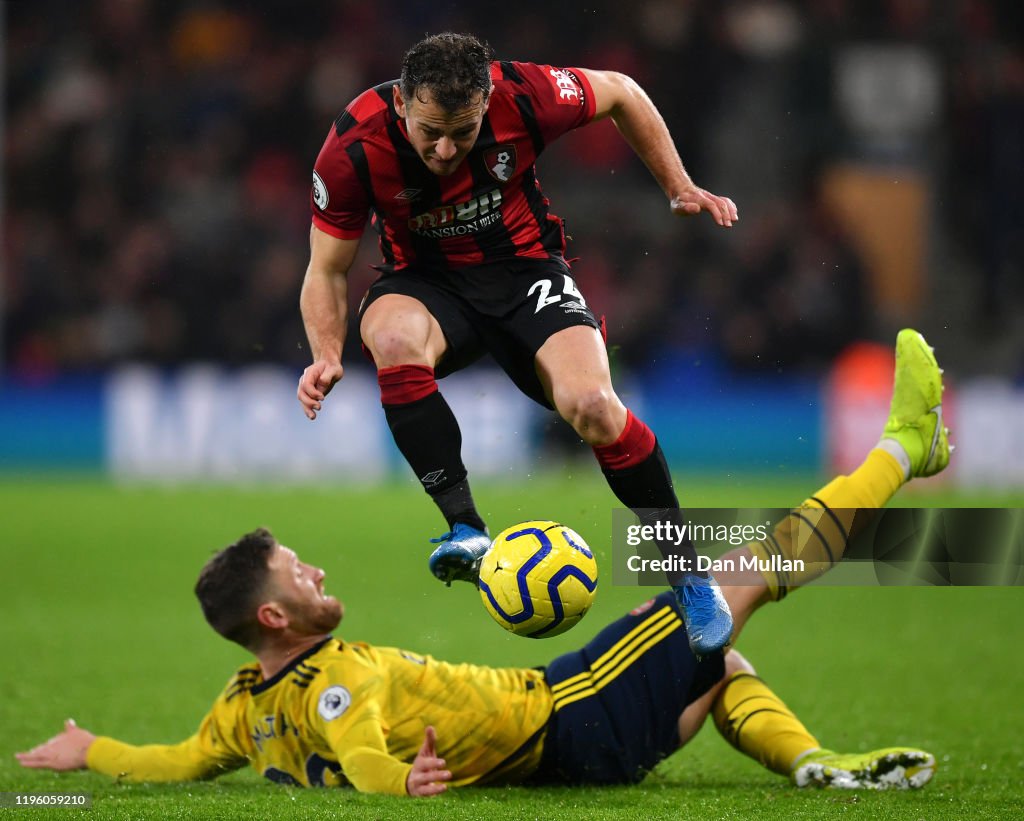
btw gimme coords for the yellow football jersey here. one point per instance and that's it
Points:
(347, 712)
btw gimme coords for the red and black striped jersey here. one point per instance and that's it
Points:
(490, 208)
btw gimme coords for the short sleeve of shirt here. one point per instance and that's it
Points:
(339, 201)
(562, 98)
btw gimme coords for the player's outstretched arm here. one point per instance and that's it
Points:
(428, 774)
(619, 97)
(324, 306)
(210, 752)
(65, 751)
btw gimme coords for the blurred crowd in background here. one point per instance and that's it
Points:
(158, 154)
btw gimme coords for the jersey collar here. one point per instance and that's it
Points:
(295, 662)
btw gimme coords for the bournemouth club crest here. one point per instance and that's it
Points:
(501, 162)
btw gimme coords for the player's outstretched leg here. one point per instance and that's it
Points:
(637, 473)
(427, 433)
(914, 443)
(572, 366)
(460, 552)
(754, 720)
(894, 768)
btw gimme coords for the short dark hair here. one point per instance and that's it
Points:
(452, 66)
(231, 585)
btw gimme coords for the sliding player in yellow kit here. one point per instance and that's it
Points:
(320, 711)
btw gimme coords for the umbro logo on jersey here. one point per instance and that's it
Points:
(408, 194)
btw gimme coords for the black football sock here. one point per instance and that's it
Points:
(456, 503)
(429, 438)
(648, 487)
(638, 475)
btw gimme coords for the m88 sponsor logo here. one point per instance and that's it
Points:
(462, 218)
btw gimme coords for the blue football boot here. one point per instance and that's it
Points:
(460, 553)
(705, 613)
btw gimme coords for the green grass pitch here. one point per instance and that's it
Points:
(99, 623)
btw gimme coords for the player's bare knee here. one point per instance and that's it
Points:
(590, 411)
(392, 345)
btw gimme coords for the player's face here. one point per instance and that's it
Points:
(441, 138)
(299, 588)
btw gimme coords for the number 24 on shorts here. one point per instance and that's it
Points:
(545, 297)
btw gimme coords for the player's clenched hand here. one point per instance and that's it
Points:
(65, 751)
(428, 774)
(694, 200)
(316, 382)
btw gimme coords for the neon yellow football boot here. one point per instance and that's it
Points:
(915, 416)
(894, 768)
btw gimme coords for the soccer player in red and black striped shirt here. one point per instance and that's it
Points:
(443, 161)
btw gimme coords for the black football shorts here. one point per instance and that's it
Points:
(618, 700)
(507, 309)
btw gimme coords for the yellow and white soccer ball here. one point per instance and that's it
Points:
(538, 579)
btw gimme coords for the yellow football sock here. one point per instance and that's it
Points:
(817, 532)
(757, 723)
(871, 485)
